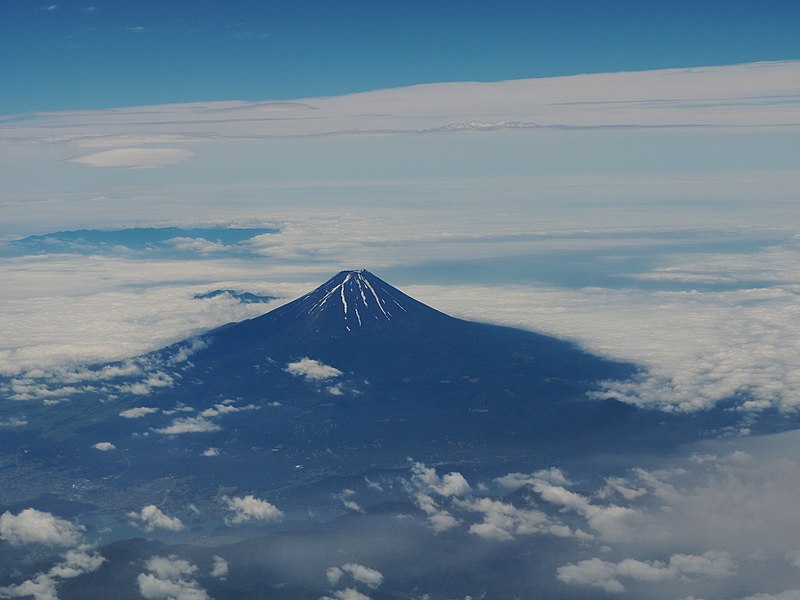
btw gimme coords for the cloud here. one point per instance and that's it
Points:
(202, 423)
(183, 425)
(210, 452)
(517, 480)
(107, 322)
(104, 446)
(151, 518)
(201, 245)
(424, 478)
(312, 370)
(361, 574)
(225, 408)
(220, 568)
(503, 521)
(31, 526)
(138, 412)
(713, 345)
(613, 523)
(43, 586)
(607, 575)
(135, 158)
(425, 482)
(346, 594)
(346, 496)
(170, 578)
(250, 508)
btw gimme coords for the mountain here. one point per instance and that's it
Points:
(353, 378)
(243, 297)
(323, 411)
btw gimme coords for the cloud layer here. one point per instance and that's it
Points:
(134, 158)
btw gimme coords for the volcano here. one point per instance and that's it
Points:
(352, 378)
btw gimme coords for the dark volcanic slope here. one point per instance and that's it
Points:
(352, 377)
(370, 330)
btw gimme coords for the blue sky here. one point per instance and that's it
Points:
(96, 54)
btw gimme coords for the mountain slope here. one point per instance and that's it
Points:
(352, 378)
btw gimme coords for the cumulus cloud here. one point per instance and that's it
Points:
(104, 446)
(43, 586)
(611, 522)
(138, 412)
(517, 480)
(346, 594)
(425, 483)
(201, 245)
(424, 478)
(346, 497)
(500, 521)
(151, 518)
(135, 158)
(31, 526)
(608, 576)
(503, 521)
(250, 508)
(183, 425)
(209, 452)
(361, 574)
(225, 408)
(170, 578)
(219, 568)
(312, 370)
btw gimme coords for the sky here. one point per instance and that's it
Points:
(624, 175)
(74, 55)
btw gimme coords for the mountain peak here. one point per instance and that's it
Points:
(354, 301)
(358, 296)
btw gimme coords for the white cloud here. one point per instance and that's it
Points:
(424, 478)
(311, 369)
(502, 521)
(107, 322)
(201, 245)
(225, 408)
(609, 576)
(346, 496)
(210, 452)
(517, 480)
(170, 578)
(151, 518)
(250, 508)
(104, 446)
(135, 158)
(31, 526)
(346, 594)
(361, 574)
(699, 347)
(612, 523)
(138, 412)
(220, 568)
(189, 425)
(43, 586)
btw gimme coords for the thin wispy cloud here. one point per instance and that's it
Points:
(135, 158)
